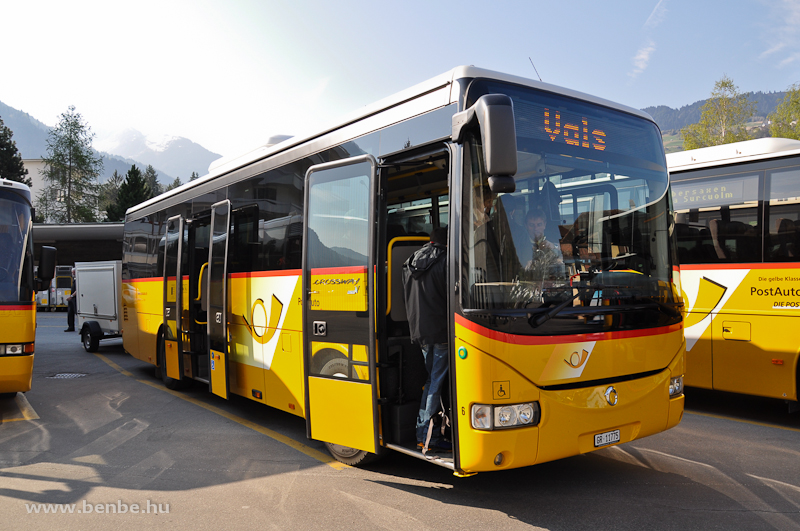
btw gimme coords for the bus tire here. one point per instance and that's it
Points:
(90, 342)
(161, 368)
(336, 365)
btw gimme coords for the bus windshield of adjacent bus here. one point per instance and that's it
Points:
(586, 232)
(15, 234)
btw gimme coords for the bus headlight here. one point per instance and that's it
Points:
(676, 386)
(481, 417)
(16, 349)
(489, 417)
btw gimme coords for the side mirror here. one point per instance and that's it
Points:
(47, 266)
(495, 116)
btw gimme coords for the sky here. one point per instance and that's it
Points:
(228, 74)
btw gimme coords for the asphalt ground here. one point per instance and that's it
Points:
(99, 432)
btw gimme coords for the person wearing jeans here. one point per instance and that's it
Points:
(425, 291)
(436, 365)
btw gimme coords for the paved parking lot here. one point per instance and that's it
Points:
(100, 435)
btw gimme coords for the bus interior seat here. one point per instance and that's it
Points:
(394, 230)
(785, 245)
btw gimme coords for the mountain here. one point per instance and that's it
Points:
(171, 157)
(669, 119)
(174, 155)
(30, 134)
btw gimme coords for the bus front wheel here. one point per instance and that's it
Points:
(337, 366)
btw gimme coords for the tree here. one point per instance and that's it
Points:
(109, 190)
(723, 118)
(11, 166)
(70, 172)
(175, 184)
(193, 176)
(785, 121)
(151, 178)
(132, 191)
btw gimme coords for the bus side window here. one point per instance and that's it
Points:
(783, 238)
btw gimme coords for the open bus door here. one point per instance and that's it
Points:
(217, 290)
(173, 298)
(339, 254)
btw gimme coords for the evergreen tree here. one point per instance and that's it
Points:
(132, 191)
(723, 118)
(70, 172)
(193, 176)
(175, 184)
(11, 166)
(785, 121)
(109, 191)
(151, 178)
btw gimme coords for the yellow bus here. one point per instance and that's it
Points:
(18, 287)
(277, 276)
(738, 228)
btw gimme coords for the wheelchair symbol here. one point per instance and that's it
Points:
(501, 390)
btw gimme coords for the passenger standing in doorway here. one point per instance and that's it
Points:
(71, 305)
(425, 290)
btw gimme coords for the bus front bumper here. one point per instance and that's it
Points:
(16, 373)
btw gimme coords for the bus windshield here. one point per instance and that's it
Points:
(15, 227)
(587, 230)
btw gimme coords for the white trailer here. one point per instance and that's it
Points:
(98, 286)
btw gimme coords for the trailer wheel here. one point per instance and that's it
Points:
(90, 342)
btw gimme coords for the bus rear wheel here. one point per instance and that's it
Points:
(337, 366)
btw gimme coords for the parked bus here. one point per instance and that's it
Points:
(42, 296)
(17, 287)
(61, 288)
(277, 276)
(738, 228)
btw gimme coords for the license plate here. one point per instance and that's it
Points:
(609, 437)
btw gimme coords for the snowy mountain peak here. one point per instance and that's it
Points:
(161, 143)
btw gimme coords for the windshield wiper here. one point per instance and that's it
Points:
(538, 320)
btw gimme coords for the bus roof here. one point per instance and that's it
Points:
(16, 187)
(749, 150)
(438, 91)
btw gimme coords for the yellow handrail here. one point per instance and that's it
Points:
(389, 266)
(200, 282)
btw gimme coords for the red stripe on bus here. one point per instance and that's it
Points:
(263, 274)
(339, 270)
(149, 279)
(557, 340)
(15, 307)
(775, 265)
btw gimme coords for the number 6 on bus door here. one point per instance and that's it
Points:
(338, 305)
